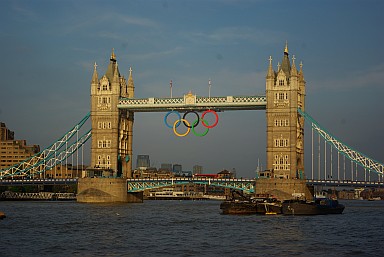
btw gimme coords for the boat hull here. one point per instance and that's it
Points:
(244, 207)
(321, 207)
(240, 207)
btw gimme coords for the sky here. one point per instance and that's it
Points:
(48, 49)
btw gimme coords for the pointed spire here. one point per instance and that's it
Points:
(112, 67)
(286, 47)
(131, 85)
(270, 73)
(95, 76)
(113, 56)
(285, 64)
(116, 75)
(293, 68)
(301, 74)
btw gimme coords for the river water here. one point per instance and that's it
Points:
(185, 228)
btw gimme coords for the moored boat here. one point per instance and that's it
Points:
(241, 204)
(318, 207)
(238, 207)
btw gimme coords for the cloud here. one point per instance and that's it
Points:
(85, 22)
(157, 54)
(371, 78)
(131, 20)
(235, 35)
(23, 12)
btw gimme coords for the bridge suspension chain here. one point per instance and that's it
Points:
(50, 156)
(355, 156)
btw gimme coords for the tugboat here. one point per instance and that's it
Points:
(320, 206)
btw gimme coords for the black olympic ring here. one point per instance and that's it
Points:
(194, 123)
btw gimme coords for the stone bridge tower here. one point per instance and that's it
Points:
(111, 148)
(285, 91)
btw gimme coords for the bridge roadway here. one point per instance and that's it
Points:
(135, 185)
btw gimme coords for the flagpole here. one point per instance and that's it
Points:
(209, 88)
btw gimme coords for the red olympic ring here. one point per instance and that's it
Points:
(203, 121)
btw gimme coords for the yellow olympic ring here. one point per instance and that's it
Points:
(185, 122)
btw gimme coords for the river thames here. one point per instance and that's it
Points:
(185, 228)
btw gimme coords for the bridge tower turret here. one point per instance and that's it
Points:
(111, 147)
(285, 91)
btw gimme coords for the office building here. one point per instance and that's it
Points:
(143, 162)
(197, 169)
(13, 151)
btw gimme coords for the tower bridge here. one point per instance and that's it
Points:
(113, 106)
(112, 113)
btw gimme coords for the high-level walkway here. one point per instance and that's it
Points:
(193, 102)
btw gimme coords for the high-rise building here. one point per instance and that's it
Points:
(13, 151)
(177, 168)
(166, 167)
(197, 169)
(143, 162)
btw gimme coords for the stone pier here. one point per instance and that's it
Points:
(284, 189)
(105, 190)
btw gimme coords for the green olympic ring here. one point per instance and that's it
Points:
(189, 125)
(194, 124)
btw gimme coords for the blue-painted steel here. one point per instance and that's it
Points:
(136, 185)
(353, 155)
(344, 183)
(41, 161)
(26, 182)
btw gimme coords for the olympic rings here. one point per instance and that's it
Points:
(198, 119)
(178, 123)
(190, 125)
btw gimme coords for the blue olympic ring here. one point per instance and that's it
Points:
(166, 116)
